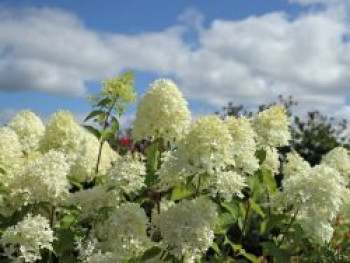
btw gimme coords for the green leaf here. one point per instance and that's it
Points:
(179, 193)
(150, 253)
(115, 125)
(252, 258)
(95, 113)
(216, 248)
(273, 221)
(93, 130)
(261, 155)
(269, 181)
(68, 220)
(279, 255)
(256, 208)
(238, 248)
(233, 208)
(104, 102)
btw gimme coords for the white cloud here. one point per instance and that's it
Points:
(246, 61)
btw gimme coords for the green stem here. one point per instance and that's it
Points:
(288, 228)
(245, 221)
(105, 124)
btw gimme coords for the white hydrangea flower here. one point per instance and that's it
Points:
(84, 166)
(10, 153)
(244, 145)
(43, 179)
(316, 196)
(339, 159)
(27, 238)
(206, 148)
(124, 233)
(98, 196)
(127, 174)
(295, 165)
(162, 112)
(228, 184)
(29, 129)
(61, 133)
(272, 127)
(187, 228)
(271, 161)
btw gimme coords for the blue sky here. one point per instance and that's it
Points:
(54, 53)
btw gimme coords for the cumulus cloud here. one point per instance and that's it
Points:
(246, 61)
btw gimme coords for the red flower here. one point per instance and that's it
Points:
(125, 141)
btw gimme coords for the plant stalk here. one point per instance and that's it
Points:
(288, 228)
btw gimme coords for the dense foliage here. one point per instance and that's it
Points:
(211, 190)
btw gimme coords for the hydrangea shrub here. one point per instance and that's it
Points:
(181, 191)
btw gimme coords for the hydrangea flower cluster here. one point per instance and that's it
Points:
(206, 148)
(339, 159)
(127, 174)
(316, 195)
(244, 143)
(27, 238)
(29, 129)
(43, 179)
(271, 161)
(272, 127)
(187, 228)
(162, 112)
(62, 133)
(124, 233)
(10, 153)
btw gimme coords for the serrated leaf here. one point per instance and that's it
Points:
(94, 113)
(256, 208)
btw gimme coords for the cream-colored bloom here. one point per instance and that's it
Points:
(244, 146)
(83, 168)
(339, 159)
(295, 165)
(162, 112)
(187, 228)
(10, 154)
(272, 127)
(228, 184)
(91, 201)
(206, 148)
(124, 233)
(27, 238)
(271, 161)
(127, 174)
(43, 179)
(316, 195)
(62, 133)
(29, 129)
